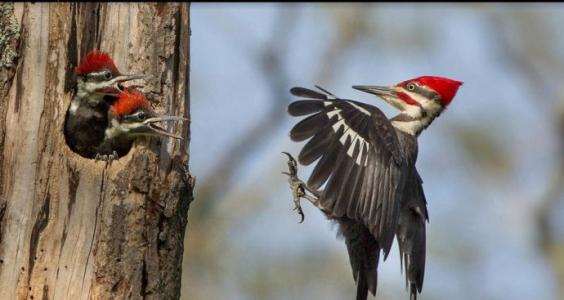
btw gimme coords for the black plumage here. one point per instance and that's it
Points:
(367, 182)
(85, 128)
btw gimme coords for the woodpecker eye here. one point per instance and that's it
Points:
(410, 86)
(107, 75)
(141, 116)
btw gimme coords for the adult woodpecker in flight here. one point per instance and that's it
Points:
(131, 117)
(98, 86)
(365, 178)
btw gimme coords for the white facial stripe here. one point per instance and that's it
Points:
(419, 122)
(395, 102)
(114, 130)
(430, 106)
(91, 87)
(123, 128)
(409, 127)
(416, 97)
(95, 74)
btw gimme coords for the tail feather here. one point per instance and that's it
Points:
(364, 254)
(361, 286)
(411, 237)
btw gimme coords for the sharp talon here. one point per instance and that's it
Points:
(108, 158)
(296, 185)
(302, 216)
(111, 157)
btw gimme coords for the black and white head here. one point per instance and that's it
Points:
(132, 116)
(420, 100)
(97, 75)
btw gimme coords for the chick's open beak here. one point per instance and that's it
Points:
(155, 129)
(114, 87)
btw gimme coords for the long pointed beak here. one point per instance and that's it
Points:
(390, 94)
(113, 87)
(123, 78)
(380, 91)
(157, 130)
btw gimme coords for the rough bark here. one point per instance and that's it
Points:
(70, 227)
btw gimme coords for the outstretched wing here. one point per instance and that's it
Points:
(360, 160)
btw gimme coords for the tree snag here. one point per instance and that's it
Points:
(70, 227)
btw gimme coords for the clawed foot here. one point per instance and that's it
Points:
(109, 158)
(296, 185)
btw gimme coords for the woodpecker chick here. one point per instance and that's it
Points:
(366, 166)
(130, 117)
(98, 86)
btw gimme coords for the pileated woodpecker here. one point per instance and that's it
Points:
(366, 169)
(98, 86)
(130, 117)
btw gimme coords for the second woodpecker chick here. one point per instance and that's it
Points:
(98, 87)
(131, 117)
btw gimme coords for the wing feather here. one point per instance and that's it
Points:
(324, 167)
(307, 93)
(360, 160)
(316, 146)
(309, 126)
(305, 107)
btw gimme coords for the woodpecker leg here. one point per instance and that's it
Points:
(107, 158)
(298, 187)
(111, 157)
(100, 157)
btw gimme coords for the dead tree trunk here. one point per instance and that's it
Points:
(70, 227)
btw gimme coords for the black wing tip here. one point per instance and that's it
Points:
(387, 239)
(307, 93)
(296, 90)
(325, 91)
(300, 91)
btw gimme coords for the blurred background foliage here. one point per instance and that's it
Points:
(493, 164)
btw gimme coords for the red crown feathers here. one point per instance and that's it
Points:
(129, 101)
(94, 61)
(445, 87)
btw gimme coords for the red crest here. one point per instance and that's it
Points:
(445, 87)
(129, 101)
(94, 61)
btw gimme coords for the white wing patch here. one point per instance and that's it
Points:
(364, 111)
(348, 132)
